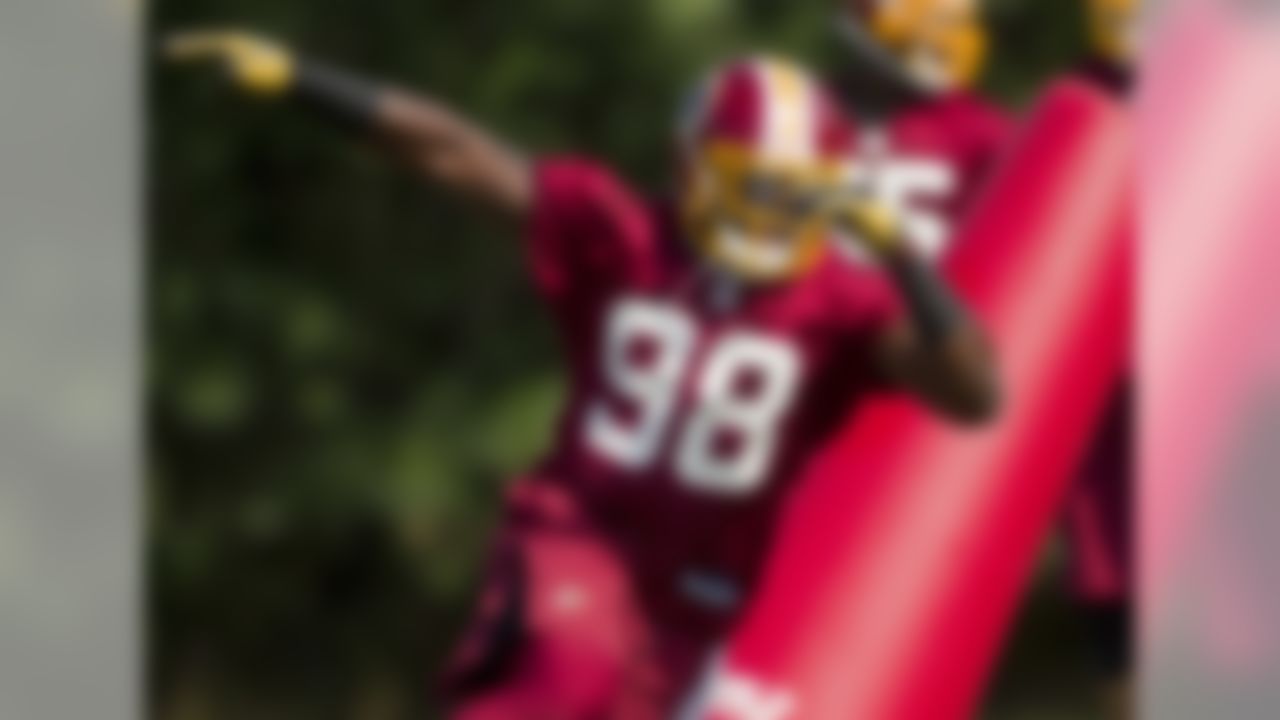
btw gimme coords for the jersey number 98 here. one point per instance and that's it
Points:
(724, 444)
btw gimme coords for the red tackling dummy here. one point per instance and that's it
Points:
(900, 563)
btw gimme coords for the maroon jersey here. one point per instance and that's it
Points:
(927, 162)
(691, 399)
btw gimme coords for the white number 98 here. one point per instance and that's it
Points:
(747, 384)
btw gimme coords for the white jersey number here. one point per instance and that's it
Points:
(743, 389)
(902, 184)
(906, 185)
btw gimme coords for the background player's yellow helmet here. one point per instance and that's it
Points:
(940, 45)
(762, 147)
(1113, 29)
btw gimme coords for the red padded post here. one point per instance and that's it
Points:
(900, 561)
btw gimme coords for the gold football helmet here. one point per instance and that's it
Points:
(940, 44)
(762, 152)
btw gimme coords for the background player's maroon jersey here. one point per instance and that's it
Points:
(928, 160)
(692, 398)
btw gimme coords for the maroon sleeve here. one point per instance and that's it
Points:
(867, 305)
(991, 129)
(584, 224)
(875, 303)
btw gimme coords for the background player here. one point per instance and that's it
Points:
(711, 346)
(1099, 517)
(931, 142)
(927, 139)
(1112, 26)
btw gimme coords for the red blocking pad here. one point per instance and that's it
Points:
(900, 561)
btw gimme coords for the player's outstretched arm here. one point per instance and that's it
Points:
(937, 351)
(430, 138)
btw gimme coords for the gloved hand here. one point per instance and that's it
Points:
(870, 223)
(257, 66)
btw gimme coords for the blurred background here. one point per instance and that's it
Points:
(343, 367)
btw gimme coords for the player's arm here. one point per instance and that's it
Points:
(429, 137)
(936, 350)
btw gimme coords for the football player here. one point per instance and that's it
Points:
(1112, 43)
(913, 65)
(711, 344)
(1099, 515)
(927, 139)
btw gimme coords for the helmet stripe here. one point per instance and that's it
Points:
(789, 109)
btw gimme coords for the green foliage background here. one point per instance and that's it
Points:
(344, 366)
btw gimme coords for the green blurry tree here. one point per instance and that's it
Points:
(344, 366)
